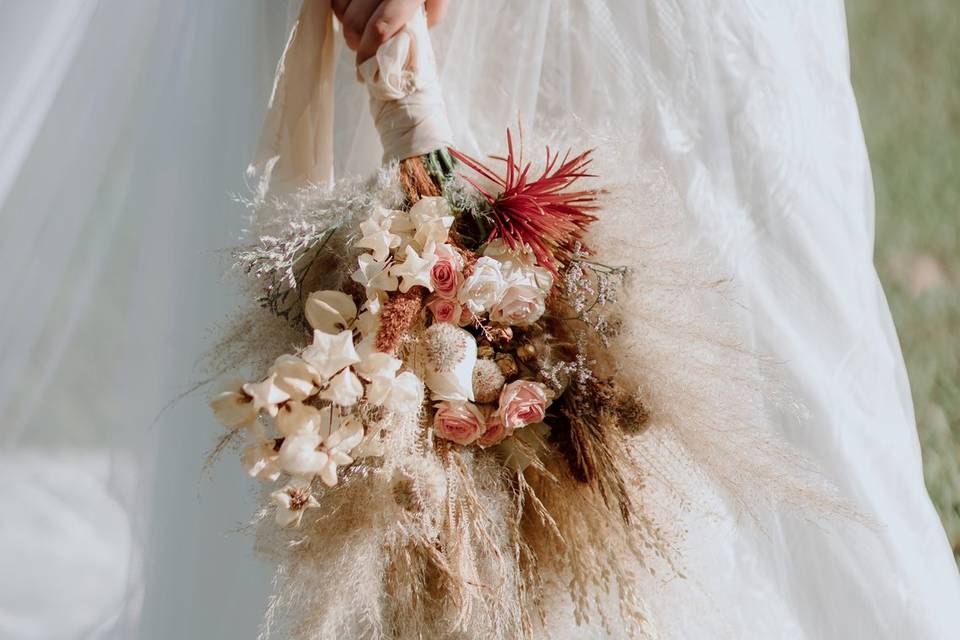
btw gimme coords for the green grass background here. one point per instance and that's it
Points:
(905, 59)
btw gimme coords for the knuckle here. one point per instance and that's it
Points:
(382, 30)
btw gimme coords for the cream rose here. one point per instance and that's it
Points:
(458, 421)
(522, 402)
(521, 304)
(520, 260)
(484, 287)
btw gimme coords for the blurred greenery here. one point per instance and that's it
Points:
(905, 63)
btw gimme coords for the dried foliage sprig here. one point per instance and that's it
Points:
(282, 263)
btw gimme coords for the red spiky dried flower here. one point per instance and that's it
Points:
(542, 213)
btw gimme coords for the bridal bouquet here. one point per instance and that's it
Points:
(461, 363)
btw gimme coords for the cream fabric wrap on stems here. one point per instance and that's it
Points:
(406, 101)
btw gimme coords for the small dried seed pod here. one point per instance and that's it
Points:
(526, 352)
(485, 351)
(507, 364)
(488, 380)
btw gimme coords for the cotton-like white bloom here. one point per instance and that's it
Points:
(368, 323)
(266, 394)
(377, 239)
(292, 501)
(295, 377)
(233, 407)
(321, 453)
(415, 269)
(374, 304)
(403, 393)
(295, 418)
(330, 311)
(301, 455)
(338, 446)
(370, 447)
(401, 226)
(377, 364)
(328, 353)
(374, 276)
(433, 231)
(345, 389)
(432, 219)
(406, 394)
(366, 346)
(429, 208)
(484, 287)
(260, 461)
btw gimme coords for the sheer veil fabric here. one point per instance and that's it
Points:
(124, 128)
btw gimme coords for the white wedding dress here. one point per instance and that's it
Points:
(125, 126)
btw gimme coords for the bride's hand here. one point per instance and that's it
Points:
(369, 23)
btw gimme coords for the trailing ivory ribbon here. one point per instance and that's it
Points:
(296, 143)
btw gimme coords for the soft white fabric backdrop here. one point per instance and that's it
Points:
(124, 127)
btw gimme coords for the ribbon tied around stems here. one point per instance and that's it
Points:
(406, 101)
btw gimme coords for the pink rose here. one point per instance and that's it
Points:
(521, 403)
(445, 310)
(458, 421)
(445, 274)
(496, 431)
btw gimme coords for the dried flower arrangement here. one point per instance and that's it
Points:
(457, 434)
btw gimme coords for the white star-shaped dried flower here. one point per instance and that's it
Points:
(338, 446)
(345, 389)
(402, 393)
(295, 418)
(374, 276)
(378, 364)
(436, 231)
(324, 452)
(300, 455)
(371, 447)
(266, 394)
(429, 208)
(415, 270)
(294, 376)
(406, 395)
(400, 223)
(432, 220)
(377, 239)
(233, 407)
(368, 322)
(260, 461)
(328, 353)
(330, 311)
(292, 501)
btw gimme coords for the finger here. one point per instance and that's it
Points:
(386, 21)
(340, 8)
(355, 20)
(436, 10)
